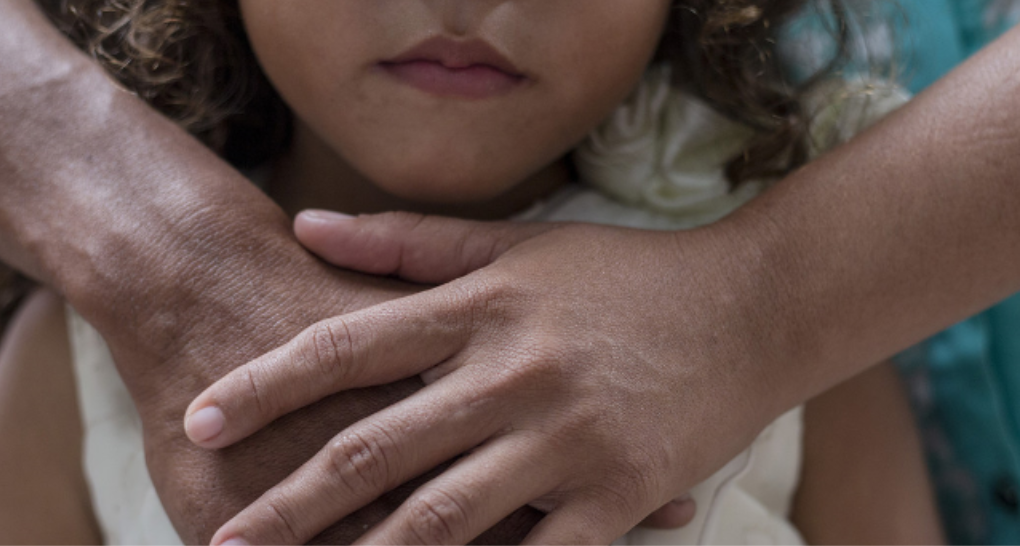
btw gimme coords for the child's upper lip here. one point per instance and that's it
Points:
(452, 53)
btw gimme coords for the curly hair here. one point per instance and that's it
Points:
(725, 52)
(191, 60)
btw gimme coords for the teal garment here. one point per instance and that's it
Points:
(965, 386)
(965, 381)
(936, 35)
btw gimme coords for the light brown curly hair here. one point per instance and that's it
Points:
(191, 60)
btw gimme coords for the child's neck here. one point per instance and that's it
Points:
(311, 175)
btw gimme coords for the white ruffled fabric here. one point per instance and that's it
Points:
(840, 110)
(656, 164)
(666, 151)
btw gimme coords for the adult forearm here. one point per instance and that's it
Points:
(109, 202)
(185, 267)
(89, 173)
(909, 228)
(38, 68)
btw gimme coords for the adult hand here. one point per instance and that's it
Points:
(578, 370)
(185, 268)
(236, 285)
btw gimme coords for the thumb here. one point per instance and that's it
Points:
(414, 247)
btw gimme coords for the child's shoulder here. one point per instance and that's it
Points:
(38, 330)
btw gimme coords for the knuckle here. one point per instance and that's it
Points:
(362, 460)
(540, 370)
(492, 300)
(329, 351)
(501, 290)
(640, 474)
(436, 517)
(624, 495)
(283, 522)
(613, 495)
(546, 361)
(531, 374)
(257, 392)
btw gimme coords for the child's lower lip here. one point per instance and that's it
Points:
(472, 82)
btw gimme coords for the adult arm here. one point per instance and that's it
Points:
(185, 268)
(910, 227)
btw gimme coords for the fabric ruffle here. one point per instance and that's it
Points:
(666, 150)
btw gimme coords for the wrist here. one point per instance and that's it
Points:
(758, 321)
(113, 205)
(159, 272)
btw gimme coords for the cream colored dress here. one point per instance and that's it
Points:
(657, 164)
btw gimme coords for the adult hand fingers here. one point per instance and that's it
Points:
(470, 497)
(366, 460)
(414, 247)
(678, 513)
(579, 522)
(378, 345)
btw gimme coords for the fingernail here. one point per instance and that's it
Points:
(205, 424)
(234, 541)
(316, 215)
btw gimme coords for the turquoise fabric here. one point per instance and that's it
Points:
(964, 384)
(936, 35)
(965, 381)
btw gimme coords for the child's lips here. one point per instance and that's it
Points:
(472, 82)
(470, 69)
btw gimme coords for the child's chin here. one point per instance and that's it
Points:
(447, 191)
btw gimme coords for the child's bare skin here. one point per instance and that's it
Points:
(848, 495)
(43, 496)
(864, 479)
